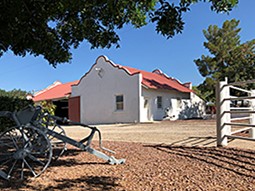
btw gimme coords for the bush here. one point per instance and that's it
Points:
(48, 107)
(11, 104)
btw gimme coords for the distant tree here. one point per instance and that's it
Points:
(228, 57)
(15, 93)
(50, 28)
(13, 100)
(198, 92)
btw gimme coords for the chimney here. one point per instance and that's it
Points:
(188, 85)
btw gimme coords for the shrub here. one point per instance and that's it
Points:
(11, 104)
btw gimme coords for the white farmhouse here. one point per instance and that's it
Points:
(111, 93)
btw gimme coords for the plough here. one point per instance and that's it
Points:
(37, 139)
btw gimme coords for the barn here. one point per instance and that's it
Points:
(112, 93)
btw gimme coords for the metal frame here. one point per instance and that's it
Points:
(34, 120)
(224, 111)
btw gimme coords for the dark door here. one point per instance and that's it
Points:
(74, 109)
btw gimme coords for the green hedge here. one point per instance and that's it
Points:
(11, 104)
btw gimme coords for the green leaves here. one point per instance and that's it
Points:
(52, 28)
(168, 18)
(228, 56)
(223, 5)
(14, 93)
(217, 5)
(13, 100)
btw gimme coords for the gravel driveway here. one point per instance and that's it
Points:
(182, 132)
(161, 156)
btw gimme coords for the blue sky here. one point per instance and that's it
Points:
(140, 48)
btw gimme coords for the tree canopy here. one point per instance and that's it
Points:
(13, 100)
(52, 28)
(228, 57)
(15, 93)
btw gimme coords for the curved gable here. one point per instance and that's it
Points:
(106, 60)
(98, 90)
(154, 80)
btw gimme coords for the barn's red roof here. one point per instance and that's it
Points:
(158, 80)
(55, 91)
(152, 80)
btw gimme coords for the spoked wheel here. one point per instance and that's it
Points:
(58, 146)
(24, 151)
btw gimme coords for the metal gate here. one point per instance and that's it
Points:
(229, 116)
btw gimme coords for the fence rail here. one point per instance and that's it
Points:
(225, 112)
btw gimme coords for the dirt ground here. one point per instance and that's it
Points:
(182, 132)
(159, 156)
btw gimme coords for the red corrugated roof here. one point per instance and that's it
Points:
(157, 80)
(153, 80)
(58, 91)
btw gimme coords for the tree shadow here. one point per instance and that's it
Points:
(193, 111)
(159, 85)
(241, 162)
(102, 183)
(72, 162)
(67, 161)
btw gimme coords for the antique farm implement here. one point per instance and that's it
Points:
(28, 148)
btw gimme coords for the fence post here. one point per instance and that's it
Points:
(222, 92)
(252, 115)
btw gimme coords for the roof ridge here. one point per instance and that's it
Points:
(107, 60)
(122, 68)
(56, 83)
(159, 72)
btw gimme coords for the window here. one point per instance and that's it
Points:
(119, 102)
(159, 102)
(179, 102)
(145, 105)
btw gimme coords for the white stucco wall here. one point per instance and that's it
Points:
(98, 88)
(181, 105)
(169, 100)
(198, 104)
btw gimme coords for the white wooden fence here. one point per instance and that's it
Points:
(229, 116)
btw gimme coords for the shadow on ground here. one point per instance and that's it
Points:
(239, 161)
(198, 141)
(91, 183)
(84, 183)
